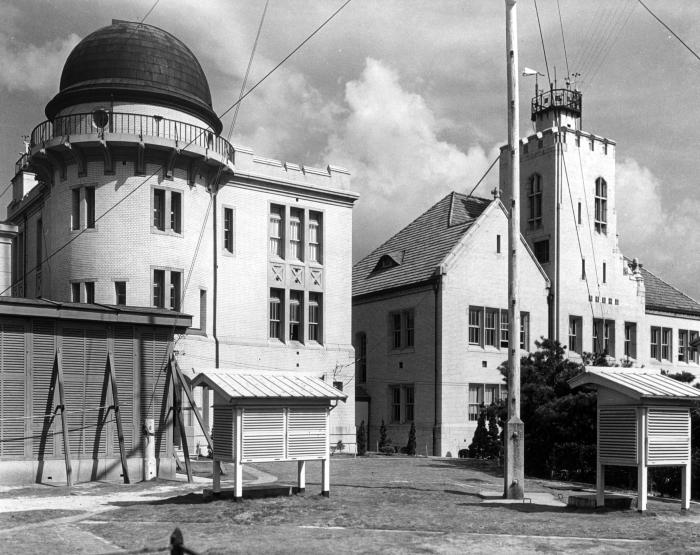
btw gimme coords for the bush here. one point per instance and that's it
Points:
(463, 453)
(361, 439)
(383, 440)
(478, 448)
(411, 446)
(387, 450)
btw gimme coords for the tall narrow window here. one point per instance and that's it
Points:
(396, 330)
(609, 337)
(75, 209)
(295, 312)
(176, 212)
(575, 336)
(498, 244)
(409, 327)
(504, 329)
(175, 290)
(90, 292)
(410, 402)
(315, 237)
(665, 343)
(583, 268)
(692, 351)
(579, 214)
(275, 314)
(475, 326)
(120, 292)
(395, 404)
(159, 209)
(361, 344)
(75, 292)
(90, 207)
(605, 272)
(203, 310)
(601, 205)
(525, 331)
(314, 317)
(655, 343)
(276, 227)
(296, 234)
(490, 321)
(630, 340)
(541, 249)
(535, 201)
(159, 288)
(682, 346)
(476, 401)
(228, 230)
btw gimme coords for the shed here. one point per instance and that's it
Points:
(643, 421)
(269, 416)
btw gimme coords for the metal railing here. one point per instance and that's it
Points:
(557, 98)
(140, 125)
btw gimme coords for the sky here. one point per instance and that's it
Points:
(410, 96)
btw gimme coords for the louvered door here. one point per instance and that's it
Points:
(668, 433)
(12, 390)
(617, 435)
(263, 434)
(307, 436)
(224, 433)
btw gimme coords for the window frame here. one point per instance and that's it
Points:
(276, 317)
(167, 217)
(630, 340)
(228, 219)
(535, 201)
(402, 331)
(120, 295)
(601, 206)
(314, 312)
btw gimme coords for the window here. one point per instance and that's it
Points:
(203, 310)
(75, 208)
(504, 329)
(490, 323)
(575, 324)
(498, 244)
(314, 317)
(525, 331)
(176, 211)
(686, 353)
(159, 209)
(402, 328)
(402, 399)
(475, 326)
(579, 214)
(483, 395)
(605, 272)
(90, 292)
(410, 401)
(275, 314)
(228, 230)
(583, 268)
(655, 343)
(665, 343)
(120, 292)
(295, 311)
(630, 340)
(693, 351)
(276, 227)
(90, 207)
(296, 239)
(535, 200)
(601, 205)
(315, 237)
(604, 337)
(75, 292)
(395, 404)
(175, 290)
(361, 346)
(542, 251)
(159, 288)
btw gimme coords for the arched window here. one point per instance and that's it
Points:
(534, 195)
(601, 205)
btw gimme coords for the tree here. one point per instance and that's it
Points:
(383, 441)
(479, 447)
(361, 439)
(494, 434)
(411, 446)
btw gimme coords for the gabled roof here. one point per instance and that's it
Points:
(665, 298)
(637, 384)
(238, 385)
(424, 244)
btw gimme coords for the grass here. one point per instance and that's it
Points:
(392, 504)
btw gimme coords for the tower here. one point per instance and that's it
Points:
(568, 218)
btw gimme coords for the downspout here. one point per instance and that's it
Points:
(557, 239)
(437, 425)
(215, 274)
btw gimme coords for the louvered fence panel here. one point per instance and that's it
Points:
(306, 433)
(154, 385)
(224, 433)
(617, 435)
(669, 436)
(263, 434)
(124, 373)
(12, 390)
(43, 357)
(97, 398)
(73, 361)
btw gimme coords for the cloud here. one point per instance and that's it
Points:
(28, 67)
(663, 235)
(390, 141)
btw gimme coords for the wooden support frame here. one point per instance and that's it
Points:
(118, 417)
(58, 364)
(177, 412)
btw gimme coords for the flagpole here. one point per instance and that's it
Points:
(514, 472)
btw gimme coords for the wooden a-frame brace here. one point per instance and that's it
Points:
(118, 417)
(58, 366)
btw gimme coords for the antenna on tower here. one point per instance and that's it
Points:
(527, 72)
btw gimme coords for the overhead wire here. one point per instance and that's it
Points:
(669, 29)
(563, 41)
(616, 37)
(544, 51)
(153, 7)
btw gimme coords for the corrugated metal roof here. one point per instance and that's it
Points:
(239, 385)
(636, 383)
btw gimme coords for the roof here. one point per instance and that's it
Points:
(131, 61)
(636, 383)
(240, 385)
(420, 247)
(665, 298)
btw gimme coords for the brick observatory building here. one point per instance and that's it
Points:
(128, 195)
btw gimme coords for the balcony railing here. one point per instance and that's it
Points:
(101, 123)
(566, 99)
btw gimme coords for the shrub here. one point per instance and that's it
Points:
(361, 439)
(478, 449)
(387, 450)
(463, 453)
(411, 446)
(383, 440)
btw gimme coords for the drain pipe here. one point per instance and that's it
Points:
(215, 273)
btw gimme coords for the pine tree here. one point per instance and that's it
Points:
(494, 443)
(479, 445)
(411, 447)
(361, 439)
(382, 436)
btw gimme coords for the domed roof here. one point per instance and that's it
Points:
(135, 62)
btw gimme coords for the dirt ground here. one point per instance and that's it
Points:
(387, 504)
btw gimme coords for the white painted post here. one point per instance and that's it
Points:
(150, 468)
(642, 474)
(600, 484)
(326, 477)
(685, 491)
(237, 466)
(301, 471)
(216, 476)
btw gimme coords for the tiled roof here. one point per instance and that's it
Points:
(636, 383)
(665, 298)
(424, 243)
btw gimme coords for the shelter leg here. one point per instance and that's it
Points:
(642, 488)
(301, 472)
(238, 480)
(685, 491)
(326, 477)
(216, 476)
(600, 486)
